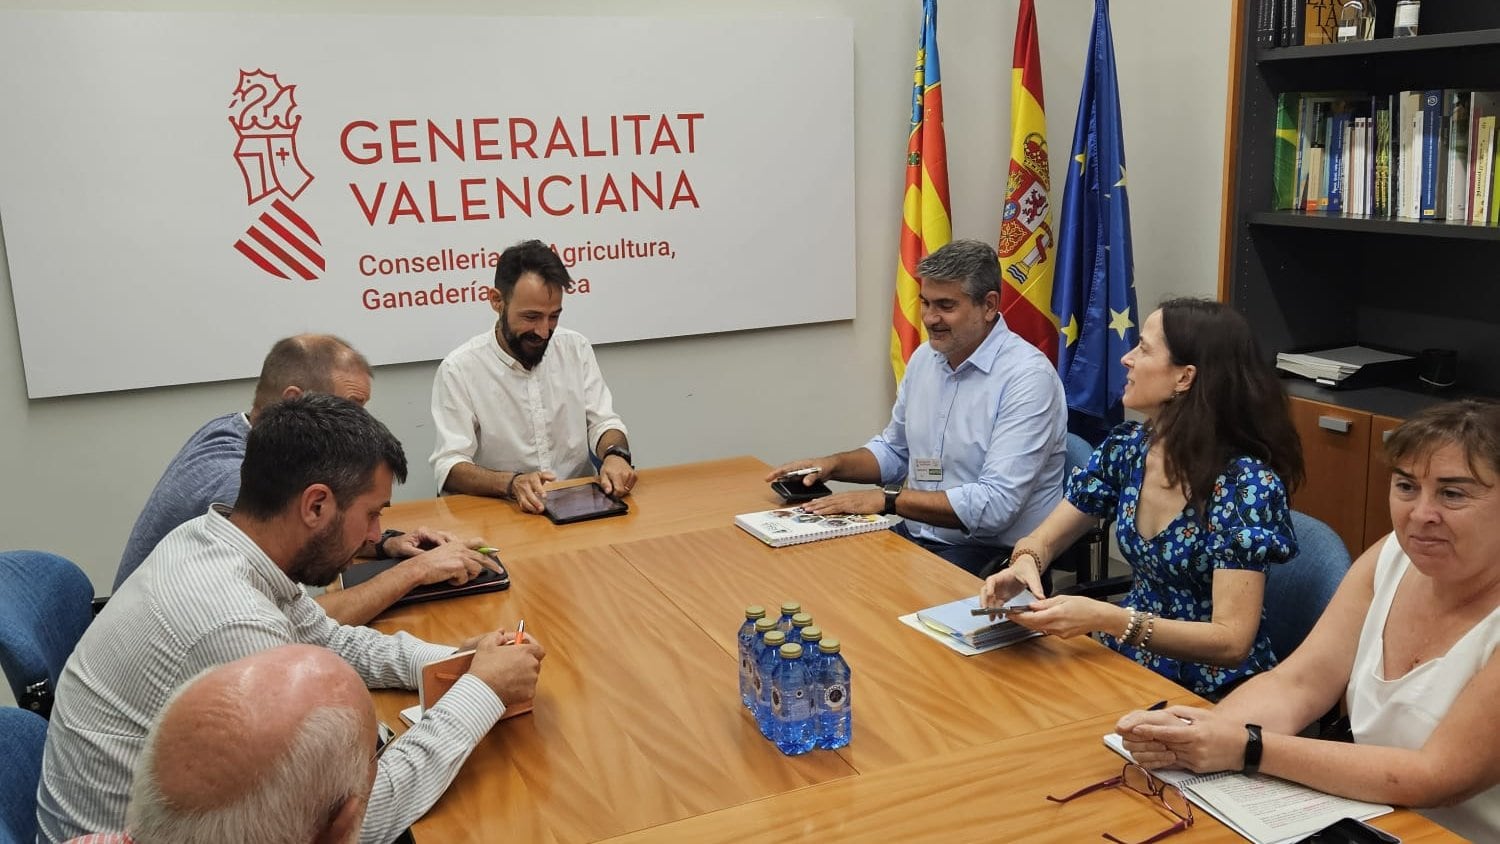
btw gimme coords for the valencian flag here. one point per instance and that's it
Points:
(1094, 297)
(924, 210)
(1026, 241)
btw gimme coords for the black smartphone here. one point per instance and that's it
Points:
(1350, 831)
(793, 491)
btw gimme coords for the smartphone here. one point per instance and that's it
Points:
(1350, 831)
(793, 491)
(1000, 610)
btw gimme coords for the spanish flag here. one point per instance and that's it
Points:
(924, 211)
(1026, 241)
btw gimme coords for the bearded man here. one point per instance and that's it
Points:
(525, 404)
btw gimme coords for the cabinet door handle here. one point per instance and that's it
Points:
(1335, 424)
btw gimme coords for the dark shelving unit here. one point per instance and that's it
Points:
(1314, 280)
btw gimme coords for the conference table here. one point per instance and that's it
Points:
(638, 733)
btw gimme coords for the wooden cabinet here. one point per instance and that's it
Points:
(1348, 480)
(1378, 488)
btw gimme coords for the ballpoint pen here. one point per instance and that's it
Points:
(797, 473)
(520, 632)
(485, 549)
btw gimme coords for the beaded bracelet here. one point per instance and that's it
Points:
(1150, 628)
(1035, 557)
(1132, 626)
(1140, 628)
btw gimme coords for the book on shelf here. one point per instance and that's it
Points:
(1434, 158)
(1458, 156)
(794, 525)
(1262, 808)
(1284, 158)
(1320, 21)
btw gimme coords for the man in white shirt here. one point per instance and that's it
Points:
(316, 475)
(525, 404)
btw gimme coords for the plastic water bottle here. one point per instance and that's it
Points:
(796, 724)
(757, 647)
(800, 622)
(788, 609)
(831, 684)
(811, 635)
(765, 664)
(753, 614)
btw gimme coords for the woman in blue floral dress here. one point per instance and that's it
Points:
(1199, 496)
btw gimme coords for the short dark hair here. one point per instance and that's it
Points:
(307, 361)
(971, 262)
(1235, 406)
(530, 256)
(1471, 424)
(314, 439)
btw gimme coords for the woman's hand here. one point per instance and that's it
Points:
(1023, 573)
(1201, 740)
(1069, 615)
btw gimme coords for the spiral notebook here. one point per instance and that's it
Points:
(1262, 808)
(794, 526)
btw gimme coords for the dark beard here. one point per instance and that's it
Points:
(530, 352)
(321, 560)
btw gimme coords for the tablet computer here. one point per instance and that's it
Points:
(485, 581)
(581, 503)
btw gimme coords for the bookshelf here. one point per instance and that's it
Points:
(1308, 280)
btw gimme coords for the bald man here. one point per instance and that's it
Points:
(278, 746)
(206, 471)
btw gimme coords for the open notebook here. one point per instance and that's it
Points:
(1262, 808)
(438, 677)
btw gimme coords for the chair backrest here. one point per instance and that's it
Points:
(22, 734)
(1079, 452)
(45, 606)
(1298, 590)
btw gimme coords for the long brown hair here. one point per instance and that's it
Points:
(1234, 407)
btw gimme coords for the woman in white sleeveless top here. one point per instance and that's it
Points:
(1407, 638)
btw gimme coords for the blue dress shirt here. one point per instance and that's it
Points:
(997, 423)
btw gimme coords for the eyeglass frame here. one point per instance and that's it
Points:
(1158, 788)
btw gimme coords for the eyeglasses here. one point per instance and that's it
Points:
(1141, 781)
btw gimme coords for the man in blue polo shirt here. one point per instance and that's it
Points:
(973, 455)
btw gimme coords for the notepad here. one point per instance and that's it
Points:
(794, 526)
(438, 676)
(977, 631)
(1262, 808)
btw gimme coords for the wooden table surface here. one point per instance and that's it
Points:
(666, 500)
(638, 733)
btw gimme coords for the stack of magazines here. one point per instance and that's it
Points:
(977, 631)
(1334, 366)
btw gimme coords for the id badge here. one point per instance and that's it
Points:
(929, 469)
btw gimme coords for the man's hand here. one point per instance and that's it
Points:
(616, 477)
(862, 501)
(510, 670)
(415, 542)
(451, 561)
(530, 490)
(824, 466)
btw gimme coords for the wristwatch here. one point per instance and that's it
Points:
(619, 451)
(1253, 749)
(890, 499)
(380, 551)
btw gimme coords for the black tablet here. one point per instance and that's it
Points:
(485, 581)
(581, 503)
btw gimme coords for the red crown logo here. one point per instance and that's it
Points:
(281, 242)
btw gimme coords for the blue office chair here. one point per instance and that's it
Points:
(1298, 590)
(1088, 558)
(22, 734)
(45, 606)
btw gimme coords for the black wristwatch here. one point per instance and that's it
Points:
(619, 451)
(1253, 749)
(380, 551)
(890, 499)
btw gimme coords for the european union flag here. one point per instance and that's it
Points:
(1094, 296)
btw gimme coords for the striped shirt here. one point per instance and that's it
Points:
(208, 595)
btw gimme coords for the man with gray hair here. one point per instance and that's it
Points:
(273, 748)
(206, 471)
(973, 455)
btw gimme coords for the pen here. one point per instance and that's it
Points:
(1155, 707)
(485, 549)
(810, 470)
(521, 635)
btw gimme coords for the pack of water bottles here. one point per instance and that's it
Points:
(794, 680)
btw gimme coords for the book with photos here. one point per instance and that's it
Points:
(1262, 808)
(794, 525)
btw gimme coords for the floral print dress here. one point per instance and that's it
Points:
(1249, 526)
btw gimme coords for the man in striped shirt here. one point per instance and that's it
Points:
(317, 472)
